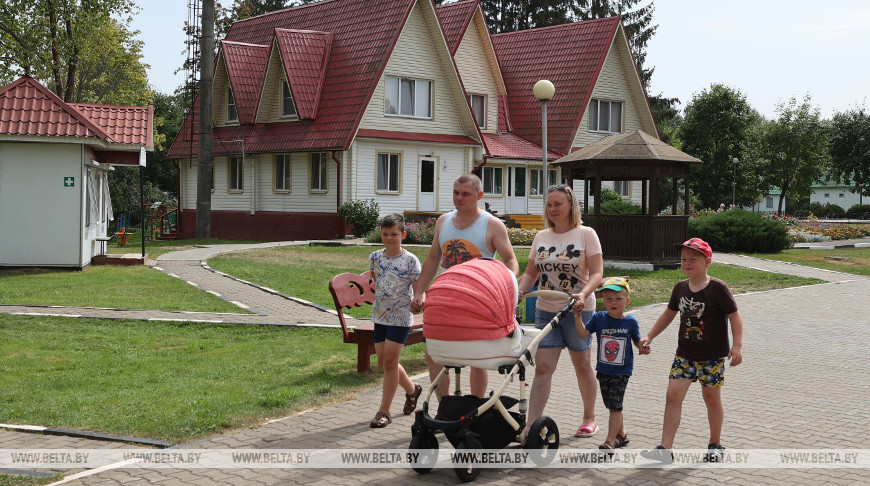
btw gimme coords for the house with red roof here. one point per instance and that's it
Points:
(340, 100)
(54, 162)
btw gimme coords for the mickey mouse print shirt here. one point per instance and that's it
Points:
(560, 259)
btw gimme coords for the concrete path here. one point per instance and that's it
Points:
(800, 387)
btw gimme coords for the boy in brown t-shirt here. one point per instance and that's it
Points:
(703, 304)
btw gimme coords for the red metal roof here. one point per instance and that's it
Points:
(508, 145)
(129, 125)
(305, 55)
(364, 34)
(29, 108)
(454, 19)
(417, 137)
(246, 68)
(575, 55)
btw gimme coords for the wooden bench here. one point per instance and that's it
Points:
(354, 290)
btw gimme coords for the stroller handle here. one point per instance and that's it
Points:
(548, 293)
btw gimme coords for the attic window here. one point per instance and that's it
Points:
(408, 97)
(232, 112)
(478, 107)
(288, 109)
(605, 116)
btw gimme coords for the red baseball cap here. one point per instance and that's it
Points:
(697, 244)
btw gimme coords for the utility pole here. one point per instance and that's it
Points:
(204, 172)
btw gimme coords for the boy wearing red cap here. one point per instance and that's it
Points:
(705, 306)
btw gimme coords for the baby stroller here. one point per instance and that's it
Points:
(469, 321)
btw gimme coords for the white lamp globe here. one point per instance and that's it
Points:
(544, 90)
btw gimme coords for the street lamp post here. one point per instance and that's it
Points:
(734, 184)
(544, 92)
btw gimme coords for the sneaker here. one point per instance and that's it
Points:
(660, 454)
(715, 452)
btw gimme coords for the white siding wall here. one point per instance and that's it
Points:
(414, 56)
(476, 73)
(452, 161)
(839, 195)
(299, 199)
(613, 85)
(535, 204)
(219, 100)
(40, 219)
(270, 101)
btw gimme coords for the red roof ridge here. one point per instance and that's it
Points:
(242, 43)
(295, 7)
(560, 26)
(98, 105)
(303, 31)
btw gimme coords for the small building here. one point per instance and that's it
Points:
(839, 193)
(54, 163)
(768, 202)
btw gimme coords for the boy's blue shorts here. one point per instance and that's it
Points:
(396, 334)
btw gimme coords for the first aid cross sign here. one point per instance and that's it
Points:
(69, 181)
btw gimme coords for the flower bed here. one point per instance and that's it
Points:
(811, 230)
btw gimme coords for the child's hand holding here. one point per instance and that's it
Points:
(736, 355)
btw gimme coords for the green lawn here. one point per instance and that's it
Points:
(170, 381)
(133, 287)
(279, 268)
(155, 248)
(15, 480)
(848, 260)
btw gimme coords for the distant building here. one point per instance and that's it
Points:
(839, 193)
(768, 202)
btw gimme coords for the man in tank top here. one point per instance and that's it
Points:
(460, 235)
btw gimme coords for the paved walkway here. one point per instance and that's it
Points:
(792, 391)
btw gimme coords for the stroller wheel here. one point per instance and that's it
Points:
(543, 441)
(426, 445)
(464, 464)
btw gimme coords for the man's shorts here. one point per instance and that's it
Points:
(565, 333)
(612, 390)
(707, 373)
(396, 334)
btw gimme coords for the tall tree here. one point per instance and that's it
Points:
(52, 39)
(850, 148)
(717, 128)
(794, 148)
(110, 70)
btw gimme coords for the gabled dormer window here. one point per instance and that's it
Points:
(288, 109)
(478, 107)
(232, 112)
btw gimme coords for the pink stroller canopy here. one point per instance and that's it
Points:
(471, 301)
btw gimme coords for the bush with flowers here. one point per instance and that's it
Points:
(421, 232)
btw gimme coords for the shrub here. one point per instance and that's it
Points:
(740, 230)
(420, 233)
(374, 236)
(362, 215)
(826, 210)
(608, 194)
(860, 211)
(620, 207)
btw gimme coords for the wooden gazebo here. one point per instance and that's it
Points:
(633, 156)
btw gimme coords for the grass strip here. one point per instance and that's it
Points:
(171, 381)
(847, 260)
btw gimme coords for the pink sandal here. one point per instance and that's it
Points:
(586, 430)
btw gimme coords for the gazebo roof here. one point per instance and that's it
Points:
(630, 146)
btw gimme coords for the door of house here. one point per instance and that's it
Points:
(517, 190)
(428, 182)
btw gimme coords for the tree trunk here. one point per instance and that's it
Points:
(204, 177)
(72, 66)
(55, 49)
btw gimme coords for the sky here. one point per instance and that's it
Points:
(768, 50)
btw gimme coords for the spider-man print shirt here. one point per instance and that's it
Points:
(615, 338)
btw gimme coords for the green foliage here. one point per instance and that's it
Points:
(168, 117)
(794, 148)
(421, 233)
(361, 214)
(609, 195)
(620, 207)
(850, 148)
(822, 210)
(739, 230)
(716, 129)
(859, 209)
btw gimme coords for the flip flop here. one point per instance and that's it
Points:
(586, 430)
(411, 400)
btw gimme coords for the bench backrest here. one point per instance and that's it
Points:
(351, 290)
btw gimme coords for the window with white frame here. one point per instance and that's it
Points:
(408, 97)
(536, 184)
(288, 109)
(236, 175)
(232, 111)
(282, 173)
(623, 188)
(605, 116)
(388, 172)
(478, 107)
(492, 180)
(317, 172)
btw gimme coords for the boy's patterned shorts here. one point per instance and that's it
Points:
(612, 390)
(707, 373)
